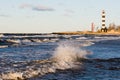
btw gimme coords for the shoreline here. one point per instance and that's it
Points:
(67, 33)
(87, 33)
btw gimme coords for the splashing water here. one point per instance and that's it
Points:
(64, 57)
(67, 53)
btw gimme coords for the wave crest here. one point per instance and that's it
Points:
(64, 57)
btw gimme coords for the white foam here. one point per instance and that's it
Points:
(4, 46)
(11, 76)
(64, 57)
(68, 52)
(1, 35)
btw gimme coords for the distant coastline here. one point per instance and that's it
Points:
(87, 32)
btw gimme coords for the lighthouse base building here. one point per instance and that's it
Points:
(104, 29)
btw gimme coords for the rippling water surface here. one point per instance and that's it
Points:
(60, 57)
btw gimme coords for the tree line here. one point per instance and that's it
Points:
(114, 27)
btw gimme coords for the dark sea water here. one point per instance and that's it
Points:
(59, 57)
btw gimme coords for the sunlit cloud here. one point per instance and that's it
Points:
(25, 6)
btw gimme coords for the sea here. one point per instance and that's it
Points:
(59, 57)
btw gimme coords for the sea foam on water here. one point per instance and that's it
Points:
(64, 57)
(68, 52)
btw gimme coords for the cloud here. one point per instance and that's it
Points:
(67, 15)
(61, 4)
(69, 11)
(25, 6)
(3, 15)
(42, 8)
(37, 8)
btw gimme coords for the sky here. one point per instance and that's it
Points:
(46, 16)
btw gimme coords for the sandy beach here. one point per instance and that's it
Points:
(87, 32)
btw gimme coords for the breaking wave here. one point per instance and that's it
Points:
(64, 57)
(67, 53)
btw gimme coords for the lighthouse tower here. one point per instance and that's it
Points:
(103, 29)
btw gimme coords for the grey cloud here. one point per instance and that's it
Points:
(43, 9)
(37, 8)
(3, 15)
